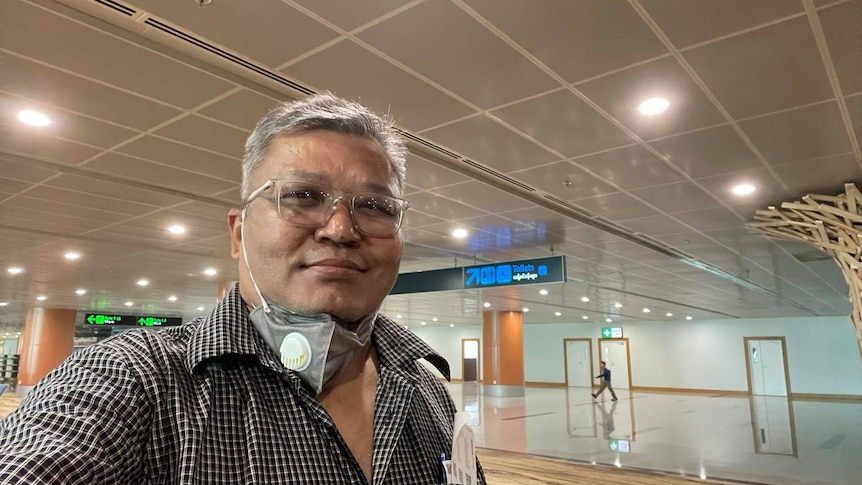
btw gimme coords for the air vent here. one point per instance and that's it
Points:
(498, 175)
(128, 11)
(571, 206)
(226, 55)
(428, 144)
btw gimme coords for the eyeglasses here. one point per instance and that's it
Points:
(308, 204)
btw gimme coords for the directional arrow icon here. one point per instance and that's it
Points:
(91, 318)
(472, 276)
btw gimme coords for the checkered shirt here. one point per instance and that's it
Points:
(210, 403)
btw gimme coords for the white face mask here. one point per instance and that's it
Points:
(318, 347)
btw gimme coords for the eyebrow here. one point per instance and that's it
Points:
(317, 178)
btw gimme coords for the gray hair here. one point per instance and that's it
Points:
(324, 112)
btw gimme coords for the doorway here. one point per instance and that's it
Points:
(578, 359)
(615, 352)
(470, 359)
(766, 362)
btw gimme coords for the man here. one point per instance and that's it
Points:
(294, 377)
(605, 375)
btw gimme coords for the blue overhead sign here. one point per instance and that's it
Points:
(511, 273)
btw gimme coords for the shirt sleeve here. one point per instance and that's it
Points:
(84, 423)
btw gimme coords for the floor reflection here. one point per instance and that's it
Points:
(709, 436)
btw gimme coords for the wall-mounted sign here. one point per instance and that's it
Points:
(623, 446)
(511, 273)
(131, 320)
(612, 332)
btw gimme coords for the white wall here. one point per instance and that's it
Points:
(822, 352)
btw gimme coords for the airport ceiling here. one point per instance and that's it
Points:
(524, 126)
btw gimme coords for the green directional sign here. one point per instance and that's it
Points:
(131, 320)
(623, 446)
(612, 332)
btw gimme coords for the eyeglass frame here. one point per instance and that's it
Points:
(331, 193)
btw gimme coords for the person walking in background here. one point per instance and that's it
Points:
(606, 381)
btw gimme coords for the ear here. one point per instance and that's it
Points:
(234, 221)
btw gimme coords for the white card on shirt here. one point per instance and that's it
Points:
(463, 452)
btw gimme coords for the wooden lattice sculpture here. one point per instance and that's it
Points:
(832, 223)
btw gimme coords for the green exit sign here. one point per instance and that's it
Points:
(612, 332)
(131, 320)
(622, 446)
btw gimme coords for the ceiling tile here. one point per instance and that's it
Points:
(654, 226)
(9, 186)
(26, 140)
(52, 207)
(426, 174)
(801, 134)
(676, 197)
(350, 14)
(483, 196)
(89, 200)
(590, 48)
(823, 175)
(686, 22)
(131, 67)
(33, 81)
(854, 106)
(206, 134)
(564, 180)
(353, 72)
(442, 207)
(622, 92)
(713, 151)
(441, 42)
(279, 33)
(156, 174)
(616, 207)
(46, 221)
(414, 219)
(22, 171)
(491, 144)
(630, 167)
(743, 71)
(564, 123)
(709, 219)
(183, 156)
(204, 210)
(553, 221)
(243, 109)
(841, 28)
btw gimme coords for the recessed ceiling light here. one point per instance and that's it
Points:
(459, 233)
(585, 317)
(4, 303)
(668, 314)
(15, 270)
(618, 305)
(543, 292)
(646, 310)
(72, 255)
(80, 291)
(200, 308)
(423, 323)
(487, 304)
(172, 298)
(525, 309)
(177, 229)
(398, 316)
(585, 299)
(129, 303)
(688, 317)
(405, 326)
(41, 297)
(743, 189)
(608, 320)
(210, 272)
(434, 319)
(33, 118)
(451, 324)
(557, 314)
(143, 282)
(653, 106)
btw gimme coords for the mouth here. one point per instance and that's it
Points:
(335, 264)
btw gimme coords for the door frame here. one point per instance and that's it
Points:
(589, 342)
(628, 355)
(783, 341)
(478, 359)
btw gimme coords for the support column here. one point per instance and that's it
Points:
(503, 354)
(48, 337)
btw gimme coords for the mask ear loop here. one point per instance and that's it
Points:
(245, 258)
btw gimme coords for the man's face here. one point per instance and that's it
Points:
(328, 269)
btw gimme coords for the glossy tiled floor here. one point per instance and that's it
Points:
(761, 440)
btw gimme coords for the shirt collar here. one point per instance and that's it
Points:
(228, 333)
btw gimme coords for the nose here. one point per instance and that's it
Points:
(338, 226)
